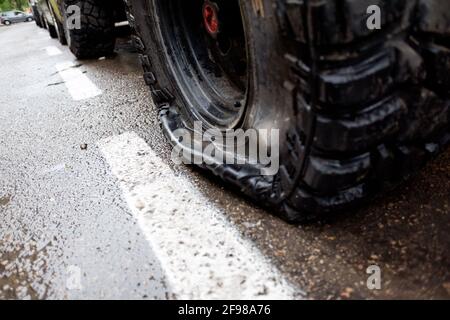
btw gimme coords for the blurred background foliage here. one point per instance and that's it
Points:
(13, 4)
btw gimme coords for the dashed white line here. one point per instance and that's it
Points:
(53, 51)
(203, 254)
(79, 85)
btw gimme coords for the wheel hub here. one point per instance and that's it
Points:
(211, 18)
(211, 61)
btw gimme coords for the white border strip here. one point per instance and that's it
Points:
(79, 85)
(53, 51)
(203, 254)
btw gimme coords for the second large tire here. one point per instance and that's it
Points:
(58, 26)
(51, 29)
(95, 36)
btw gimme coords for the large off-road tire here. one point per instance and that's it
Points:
(38, 22)
(51, 29)
(58, 26)
(359, 110)
(37, 16)
(95, 37)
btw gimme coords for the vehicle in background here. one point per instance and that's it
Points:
(14, 16)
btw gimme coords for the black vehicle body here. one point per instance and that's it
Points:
(359, 109)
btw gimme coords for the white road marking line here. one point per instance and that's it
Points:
(202, 253)
(79, 85)
(53, 51)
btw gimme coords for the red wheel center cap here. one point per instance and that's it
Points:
(211, 19)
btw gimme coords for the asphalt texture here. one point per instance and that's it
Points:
(84, 216)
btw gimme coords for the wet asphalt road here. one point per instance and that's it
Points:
(92, 207)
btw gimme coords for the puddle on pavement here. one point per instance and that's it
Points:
(22, 270)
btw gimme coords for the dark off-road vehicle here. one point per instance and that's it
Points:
(359, 109)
